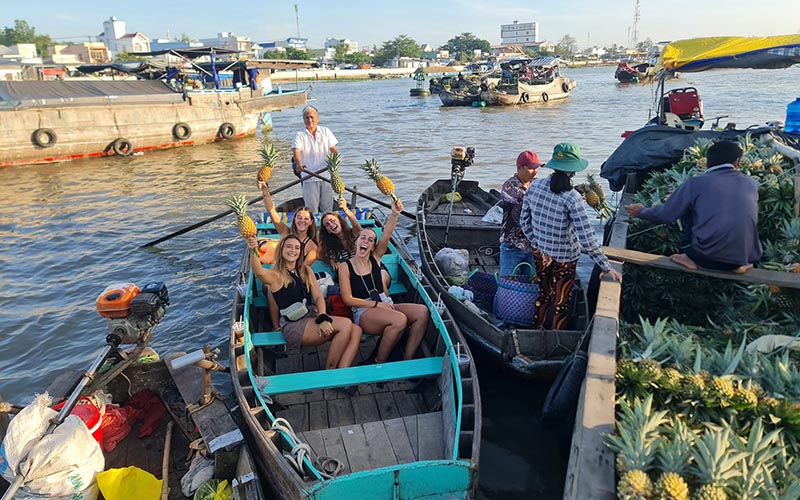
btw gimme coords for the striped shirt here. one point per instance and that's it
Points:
(557, 224)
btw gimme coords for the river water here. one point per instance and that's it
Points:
(69, 230)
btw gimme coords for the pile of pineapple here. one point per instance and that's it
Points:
(719, 424)
(676, 294)
(700, 415)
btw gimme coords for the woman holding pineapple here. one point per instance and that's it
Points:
(303, 321)
(303, 225)
(310, 149)
(362, 289)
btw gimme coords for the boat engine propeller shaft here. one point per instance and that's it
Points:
(460, 159)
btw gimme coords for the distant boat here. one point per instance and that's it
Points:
(53, 121)
(625, 73)
(526, 81)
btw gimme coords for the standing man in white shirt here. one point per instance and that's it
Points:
(310, 148)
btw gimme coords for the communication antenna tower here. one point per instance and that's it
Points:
(635, 30)
(297, 18)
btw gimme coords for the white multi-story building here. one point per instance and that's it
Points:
(227, 40)
(518, 33)
(117, 39)
(332, 43)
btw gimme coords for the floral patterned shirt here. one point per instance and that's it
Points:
(511, 197)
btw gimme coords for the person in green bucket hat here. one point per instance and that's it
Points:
(555, 221)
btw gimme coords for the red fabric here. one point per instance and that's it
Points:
(336, 307)
(151, 409)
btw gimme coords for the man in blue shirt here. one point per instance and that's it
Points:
(719, 209)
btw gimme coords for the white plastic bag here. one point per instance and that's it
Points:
(454, 264)
(23, 432)
(494, 215)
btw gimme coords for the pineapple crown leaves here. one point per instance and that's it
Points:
(333, 161)
(238, 204)
(269, 154)
(675, 451)
(715, 460)
(372, 169)
(652, 339)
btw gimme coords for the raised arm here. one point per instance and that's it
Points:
(269, 205)
(267, 276)
(388, 229)
(311, 252)
(350, 216)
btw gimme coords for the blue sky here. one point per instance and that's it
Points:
(591, 22)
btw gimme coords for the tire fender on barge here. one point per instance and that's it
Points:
(227, 130)
(44, 138)
(122, 147)
(182, 131)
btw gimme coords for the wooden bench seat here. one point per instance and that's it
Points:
(343, 377)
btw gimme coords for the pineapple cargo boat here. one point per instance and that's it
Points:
(128, 382)
(52, 121)
(706, 388)
(528, 82)
(531, 353)
(412, 429)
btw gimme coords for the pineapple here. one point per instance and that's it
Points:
(634, 485)
(384, 184)
(337, 184)
(693, 386)
(247, 227)
(650, 370)
(592, 199)
(671, 486)
(720, 389)
(744, 398)
(710, 492)
(270, 156)
(670, 379)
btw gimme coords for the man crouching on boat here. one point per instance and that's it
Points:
(719, 212)
(303, 320)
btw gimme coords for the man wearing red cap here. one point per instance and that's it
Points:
(514, 246)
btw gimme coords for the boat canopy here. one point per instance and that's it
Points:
(40, 94)
(148, 70)
(545, 62)
(189, 53)
(658, 147)
(701, 54)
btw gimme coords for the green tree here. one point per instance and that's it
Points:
(184, 38)
(463, 46)
(402, 46)
(275, 54)
(22, 32)
(124, 56)
(357, 58)
(567, 46)
(644, 45)
(341, 53)
(296, 54)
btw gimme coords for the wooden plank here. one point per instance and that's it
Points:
(365, 409)
(311, 363)
(448, 402)
(778, 278)
(355, 444)
(188, 380)
(429, 429)
(386, 406)
(317, 415)
(340, 412)
(413, 434)
(406, 405)
(334, 447)
(293, 363)
(297, 415)
(314, 440)
(401, 443)
(380, 449)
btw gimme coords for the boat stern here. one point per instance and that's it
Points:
(429, 480)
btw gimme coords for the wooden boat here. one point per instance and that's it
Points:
(412, 429)
(625, 73)
(591, 472)
(192, 413)
(462, 98)
(532, 353)
(53, 121)
(539, 83)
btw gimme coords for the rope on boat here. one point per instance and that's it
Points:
(327, 467)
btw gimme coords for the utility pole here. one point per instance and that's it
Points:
(635, 31)
(297, 19)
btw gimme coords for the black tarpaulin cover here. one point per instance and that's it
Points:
(34, 94)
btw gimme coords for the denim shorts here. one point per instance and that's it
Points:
(358, 311)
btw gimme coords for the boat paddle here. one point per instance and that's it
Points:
(365, 196)
(229, 211)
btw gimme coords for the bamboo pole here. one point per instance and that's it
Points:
(165, 462)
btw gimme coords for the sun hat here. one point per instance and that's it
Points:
(567, 158)
(528, 159)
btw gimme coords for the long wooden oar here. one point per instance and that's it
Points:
(366, 197)
(228, 212)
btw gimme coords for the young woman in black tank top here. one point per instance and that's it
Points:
(292, 282)
(360, 284)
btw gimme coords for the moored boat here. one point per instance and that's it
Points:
(466, 97)
(531, 353)
(703, 311)
(411, 430)
(172, 396)
(52, 121)
(528, 82)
